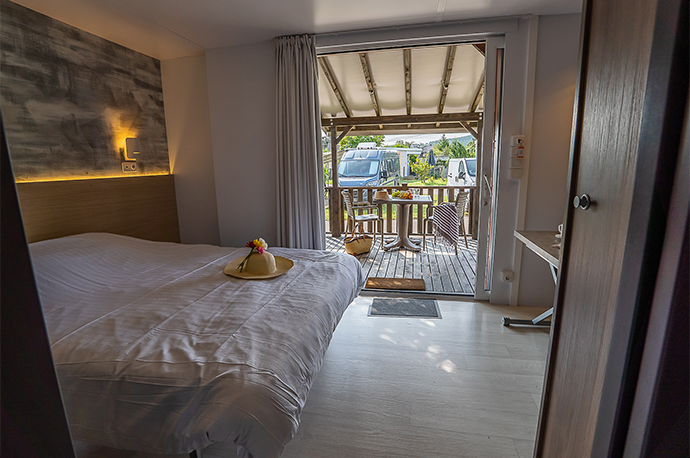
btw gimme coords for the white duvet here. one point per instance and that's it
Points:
(157, 350)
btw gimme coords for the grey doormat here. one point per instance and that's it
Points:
(402, 307)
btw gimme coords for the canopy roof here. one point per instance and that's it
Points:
(423, 89)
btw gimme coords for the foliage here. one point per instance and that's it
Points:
(421, 169)
(353, 141)
(402, 144)
(454, 148)
(442, 147)
(458, 150)
(430, 182)
(471, 148)
(326, 174)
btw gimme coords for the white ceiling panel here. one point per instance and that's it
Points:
(467, 73)
(428, 65)
(388, 71)
(167, 29)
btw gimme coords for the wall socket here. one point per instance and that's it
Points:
(517, 140)
(128, 167)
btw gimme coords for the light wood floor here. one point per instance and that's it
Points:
(442, 270)
(460, 386)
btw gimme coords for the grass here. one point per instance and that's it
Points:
(429, 182)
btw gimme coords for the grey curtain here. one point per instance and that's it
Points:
(301, 212)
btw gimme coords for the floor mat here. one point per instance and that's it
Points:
(403, 307)
(412, 284)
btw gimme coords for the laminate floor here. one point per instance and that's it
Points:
(460, 386)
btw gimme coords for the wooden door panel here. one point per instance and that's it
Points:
(619, 42)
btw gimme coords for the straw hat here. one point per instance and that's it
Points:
(259, 266)
(383, 195)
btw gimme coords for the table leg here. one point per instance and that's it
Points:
(538, 321)
(403, 240)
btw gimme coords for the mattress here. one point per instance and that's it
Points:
(157, 350)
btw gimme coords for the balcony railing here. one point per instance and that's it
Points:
(336, 215)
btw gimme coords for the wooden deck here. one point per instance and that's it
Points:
(441, 269)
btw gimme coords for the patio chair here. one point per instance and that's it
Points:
(354, 220)
(460, 205)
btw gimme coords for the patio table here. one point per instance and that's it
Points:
(403, 240)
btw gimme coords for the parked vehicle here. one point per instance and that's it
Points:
(462, 172)
(369, 167)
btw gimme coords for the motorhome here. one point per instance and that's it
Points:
(368, 165)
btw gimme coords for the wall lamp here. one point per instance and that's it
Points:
(131, 147)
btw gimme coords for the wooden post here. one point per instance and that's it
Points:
(334, 206)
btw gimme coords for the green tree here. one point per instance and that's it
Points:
(471, 148)
(442, 147)
(421, 169)
(402, 144)
(457, 149)
(354, 140)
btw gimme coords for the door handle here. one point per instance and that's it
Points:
(583, 202)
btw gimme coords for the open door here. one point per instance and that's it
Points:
(629, 115)
(487, 168)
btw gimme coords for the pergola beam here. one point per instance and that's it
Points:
(401, 119)
(481, 47)
(450, 59)
(470, 129)
(371, 87)
(478, 93)
(445, 126)
(343, 134)
(407, 58)
(330, 76)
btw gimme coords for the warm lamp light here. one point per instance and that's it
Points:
(131, 147)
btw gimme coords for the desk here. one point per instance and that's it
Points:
(403, 240)
(541, 242)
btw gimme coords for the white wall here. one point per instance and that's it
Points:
(242, 101)
(187, 122)
(541, 67)
(556, 76)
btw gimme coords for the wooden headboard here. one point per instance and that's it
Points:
(143, 207)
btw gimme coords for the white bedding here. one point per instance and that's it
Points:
(157, 350)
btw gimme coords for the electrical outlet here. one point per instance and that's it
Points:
(128, 167)
(517, 140)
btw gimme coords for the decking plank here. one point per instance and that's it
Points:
(438, 265)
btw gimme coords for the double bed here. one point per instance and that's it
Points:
(157, 350)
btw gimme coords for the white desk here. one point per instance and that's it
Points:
(542, 243)
(403, 217)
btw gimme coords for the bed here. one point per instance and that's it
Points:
(157, 350)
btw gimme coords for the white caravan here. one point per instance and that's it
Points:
(462, 172)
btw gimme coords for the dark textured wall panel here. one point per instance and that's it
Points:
(70, 98)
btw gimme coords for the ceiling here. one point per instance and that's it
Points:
(168, 29)
(426, 81)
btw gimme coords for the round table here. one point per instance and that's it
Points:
(403, 217)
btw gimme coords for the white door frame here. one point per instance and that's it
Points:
(492, 44)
